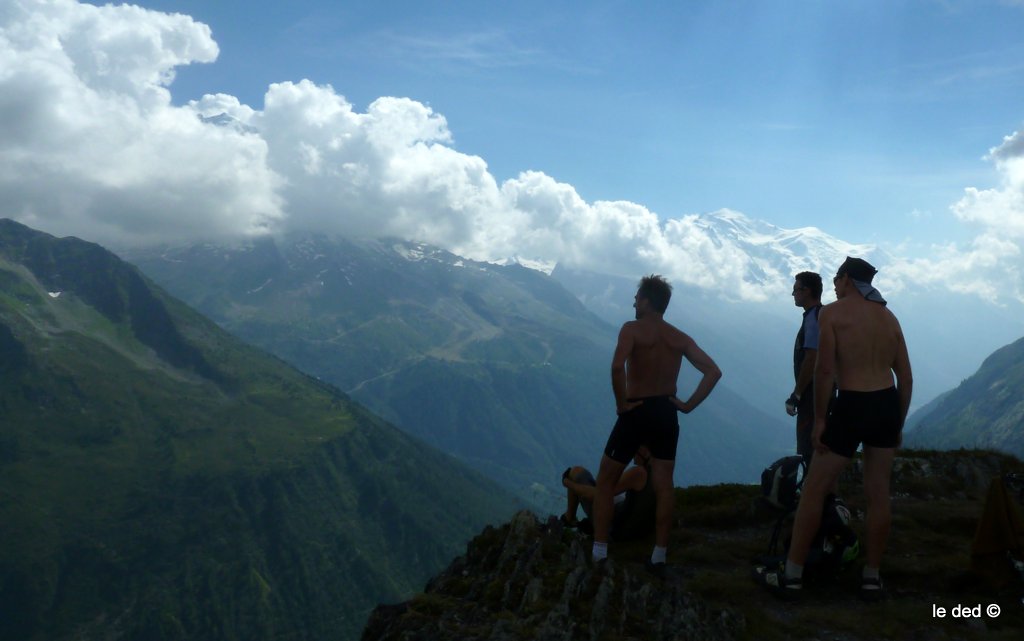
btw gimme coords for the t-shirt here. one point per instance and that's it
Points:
(806, 338)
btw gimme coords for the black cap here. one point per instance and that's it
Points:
(857, 269)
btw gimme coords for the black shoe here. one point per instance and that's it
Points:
(871, 589)
(567, 523)
(775, 581)
(659, 570)
(584, 525)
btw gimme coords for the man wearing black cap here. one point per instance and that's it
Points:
(861, 347)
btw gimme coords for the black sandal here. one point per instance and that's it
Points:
(871, 589)
(775, 581)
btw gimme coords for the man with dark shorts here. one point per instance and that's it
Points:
(861, 348)
(645, 366)
(806, 295)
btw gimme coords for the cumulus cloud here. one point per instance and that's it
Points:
(91, 144)
(89, 141)
(990, 265)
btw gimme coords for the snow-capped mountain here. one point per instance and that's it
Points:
(774, 253)
(948, 333)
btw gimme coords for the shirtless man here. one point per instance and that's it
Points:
(645, 367)
(861, 347)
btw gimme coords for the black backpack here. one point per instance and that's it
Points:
(835, 545)
(781, 481)
(833, 548)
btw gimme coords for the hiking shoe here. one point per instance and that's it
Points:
(660, 570)
(585, 526)
(567, 523)
(775, 581)
(871, 589)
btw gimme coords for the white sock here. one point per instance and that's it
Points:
(794, 571)
(600, 551)
(658, 555)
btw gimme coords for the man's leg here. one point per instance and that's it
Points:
(661, 481)
(607, 478)
(877, 472)
(821, 477)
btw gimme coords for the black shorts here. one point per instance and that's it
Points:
(655, 424)
(871, 418)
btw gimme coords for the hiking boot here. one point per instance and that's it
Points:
(660, 570)
(601, 568)
(871, 590)
(775, 581)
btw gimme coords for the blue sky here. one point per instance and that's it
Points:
(597, 134)
(867, 119)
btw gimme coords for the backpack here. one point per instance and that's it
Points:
(780, 482)
(835, 545)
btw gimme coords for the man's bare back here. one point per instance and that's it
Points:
(647, 360)
(868, 340)
(653, 363)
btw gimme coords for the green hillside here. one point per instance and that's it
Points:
(498, 364)
(985, 411)
(159, 479)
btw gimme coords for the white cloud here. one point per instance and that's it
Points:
(990, 266)
(91, 145)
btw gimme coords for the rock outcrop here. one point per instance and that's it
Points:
(532, 580)
(528, 580)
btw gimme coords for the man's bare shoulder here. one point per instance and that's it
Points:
(677, 336)
(894, 322)
(629, 326)
(834, 305)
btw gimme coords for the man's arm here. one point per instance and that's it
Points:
(904, 375)
(802, 380)
(824, 374)
(703, 364)
(623, 348)
(806, 371)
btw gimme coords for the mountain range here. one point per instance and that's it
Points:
(160, 479)
(985, 411)
(497, 364)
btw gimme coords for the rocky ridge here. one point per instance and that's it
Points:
(522, 581)
(532, 579)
